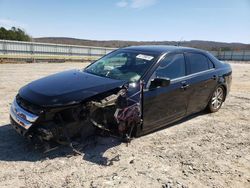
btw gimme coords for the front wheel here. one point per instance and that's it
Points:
(217, 99)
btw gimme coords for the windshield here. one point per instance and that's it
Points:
(122, 65)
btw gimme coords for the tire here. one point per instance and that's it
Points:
(216, 100)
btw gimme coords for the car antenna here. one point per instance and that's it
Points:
(179, 43)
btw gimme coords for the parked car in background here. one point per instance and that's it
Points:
(129, 92)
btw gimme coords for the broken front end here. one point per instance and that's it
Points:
(117, 112)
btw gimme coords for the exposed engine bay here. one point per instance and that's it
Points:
(113, 112)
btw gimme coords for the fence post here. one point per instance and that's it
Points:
(219, 54)
(89, 51)
(243, 55)
(4, 47)
(31, 47)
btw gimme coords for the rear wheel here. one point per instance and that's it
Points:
(217, 99)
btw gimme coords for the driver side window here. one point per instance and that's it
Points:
(172, 66)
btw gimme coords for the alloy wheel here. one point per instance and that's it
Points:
(217, 98)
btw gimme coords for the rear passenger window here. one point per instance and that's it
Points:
(173, 66)
(198, 62)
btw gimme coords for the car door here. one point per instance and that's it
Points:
(164, 104)
(202, 79)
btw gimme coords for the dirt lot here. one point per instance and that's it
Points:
(207, 150)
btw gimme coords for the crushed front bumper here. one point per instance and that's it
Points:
(21, 120)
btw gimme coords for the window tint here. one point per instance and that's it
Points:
(172, 66)
(198, 62)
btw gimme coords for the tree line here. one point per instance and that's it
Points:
(14, 34)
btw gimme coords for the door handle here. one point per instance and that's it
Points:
(185, 86)
(214, 77)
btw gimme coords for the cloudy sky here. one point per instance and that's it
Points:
(141, 20)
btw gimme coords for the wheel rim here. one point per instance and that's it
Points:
(217, 98)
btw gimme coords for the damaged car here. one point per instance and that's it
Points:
(129, 92)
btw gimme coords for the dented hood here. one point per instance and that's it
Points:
(68, 87)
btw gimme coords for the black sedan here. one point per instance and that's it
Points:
(129, 92)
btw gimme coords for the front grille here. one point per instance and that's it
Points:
(32, 108)
(17, 127)
(22, 117)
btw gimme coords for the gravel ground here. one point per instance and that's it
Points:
(205, 150)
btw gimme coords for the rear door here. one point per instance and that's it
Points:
(202, 79)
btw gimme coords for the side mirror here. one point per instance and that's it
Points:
(159, 82)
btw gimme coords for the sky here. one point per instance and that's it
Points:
(134, 20)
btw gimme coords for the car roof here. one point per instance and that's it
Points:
(159, 49)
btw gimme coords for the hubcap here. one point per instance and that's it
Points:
(217, 98)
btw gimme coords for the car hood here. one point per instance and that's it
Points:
(65, 88)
